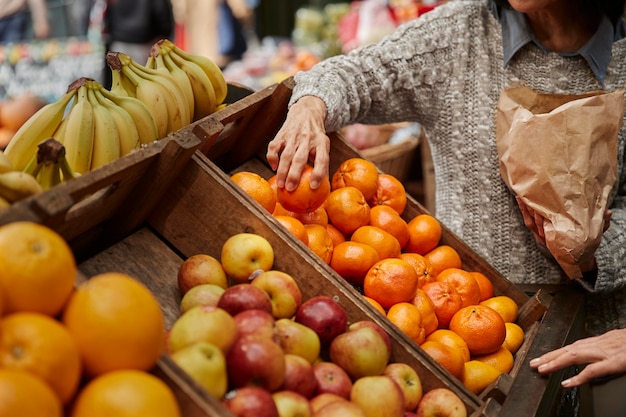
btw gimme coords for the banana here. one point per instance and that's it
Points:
(79, 133)
(17, 185)
(5, 163)
(205, 101)
(37, 128)
(159, 61)
(106, 140)
(49, 175)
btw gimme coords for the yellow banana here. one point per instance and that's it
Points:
(37, 128)
(5, 163)
(49, 175)
(120, 85)
(205, 101)
(79, 133)
(158, 61)
(106, 140)
(17, 185)
(211, 69)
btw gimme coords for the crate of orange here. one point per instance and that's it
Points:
(468, 304)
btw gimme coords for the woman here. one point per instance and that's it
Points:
(446, 70)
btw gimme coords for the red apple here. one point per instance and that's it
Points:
(376, 393)
(291, 404)
(297, 339)
(331, 378)
(320, 400)
(256, 360)
(361, 352)
(408, 380)
(201, 269)
(375, 326)
(299, 376)
(441, 402)
(201, 295)
(282, 290)
(255, 322)
(245, 253)
(240, 297)
(203, 324)
(340, 409)
(251, 402)
(325, 316)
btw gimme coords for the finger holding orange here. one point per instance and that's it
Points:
(304, 199)
(390, 281)
(347, 209)
(359, 173)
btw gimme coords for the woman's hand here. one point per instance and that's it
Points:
(604, 354)
(301, 138)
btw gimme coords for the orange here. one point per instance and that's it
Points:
(484, 283)
(389, 192)
(347, 209)
(424, 234)
(390, 221)
(478, 375)
(481, 327)
(320, 241)
(443, 257)
(445, 298)
(37, 268)
(427, 310)
(501, 359)
(256, 187)
(24, 394)
(335, 234)
(117, 323)
(359, 173)
(390, 281)
(317, 216)
(514, 337)
(352, 260)
(304, 199)
(421, 265)
(39, 344)
(126, 393)
(450, 358)
(376, 305)
(504, 305)
(295, 227)
(385, 244)
(449, 338)
(408, 319)
(463, 282)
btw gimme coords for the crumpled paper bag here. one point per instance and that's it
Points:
(558, 153)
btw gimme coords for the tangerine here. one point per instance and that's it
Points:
(450, 358)
(445, 298)
(385, 244)
(390, 221)
(335, 234)
(347, 209)
(424, 234)
(485, 285)
(37, 268)
(390, 281)
(443, 257)
(449, 338)
(478, 375)
(25, 394)
(256, 187)
(506, 306)
(117, 323)
(294, 226)
(408, 319)
(501, 359)
(376, 305)
(352, 260)
(320, 241)
(463, 282)
(304, 199)
(359, 173)
(390, 192)
(421, 265)
(481, 327)
(514, 337)
(427, 311)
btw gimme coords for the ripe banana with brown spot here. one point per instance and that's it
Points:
(79, 133)
(106, 139)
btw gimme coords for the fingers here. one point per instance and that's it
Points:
(607, 220)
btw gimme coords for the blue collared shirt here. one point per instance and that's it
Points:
(597, 51)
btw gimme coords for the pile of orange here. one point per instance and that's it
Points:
(403, 269)
(68, 346)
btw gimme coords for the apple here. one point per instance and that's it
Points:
(201, 269)
(206, 364)
(283, 291)
(331, 378)
(324, 315)
(256, 360)
(408, 380)
(299, 376)
(244, 296)
(258, 322)
(320, 400)
(203, 324)
(297, 339)
(340, 409)
(441, 402)
(375, 326)
(291, 404)
(376, 393)
(361, 352)
(245, 253)
(251, 402)
(201, 295)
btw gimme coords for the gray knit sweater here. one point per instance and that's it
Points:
(445, 71)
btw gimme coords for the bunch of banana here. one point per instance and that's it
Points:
(156, 89)
(49, 165)
(200, 78)
(15, 185)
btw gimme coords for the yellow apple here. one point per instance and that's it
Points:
(245, 253)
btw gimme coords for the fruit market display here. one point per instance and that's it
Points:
(81, 349)
(354, 223)
(146, 102)
(261, 348)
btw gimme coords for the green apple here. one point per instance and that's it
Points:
(203, 324)
(201, 295)
(408, 380)
(245, 253)
(206, 364)
(201, 269)
(360, 352)
(297, 339)
(378, 396)
(283, 291)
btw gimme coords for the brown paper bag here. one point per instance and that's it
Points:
(559, 154)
